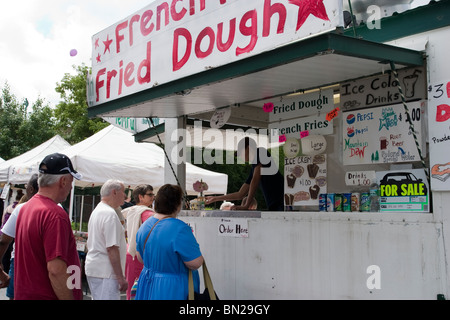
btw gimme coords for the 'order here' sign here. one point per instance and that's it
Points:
(172, 39)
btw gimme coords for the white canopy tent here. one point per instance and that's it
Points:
(19, 169)
(113, 153)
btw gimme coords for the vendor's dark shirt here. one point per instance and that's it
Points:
(271, 183)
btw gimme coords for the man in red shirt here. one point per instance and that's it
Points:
(47, 266)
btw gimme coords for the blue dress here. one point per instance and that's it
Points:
(165, 276)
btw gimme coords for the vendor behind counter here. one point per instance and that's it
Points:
(264, 173)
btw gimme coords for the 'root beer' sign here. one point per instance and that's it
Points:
(168, 40)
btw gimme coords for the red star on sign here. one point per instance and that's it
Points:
(96, 43)
(107, 44)
(99, 58)
(307, 7)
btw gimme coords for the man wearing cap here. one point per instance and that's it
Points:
(47, 266)
(264, 174)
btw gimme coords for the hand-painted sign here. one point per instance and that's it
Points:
(237, 228)
(172, 39)
(439, 127)
(383, 89)
(293, 128)
(406, 190)
(301, 105)
(360, 178)
(305, 178)
(382, 135)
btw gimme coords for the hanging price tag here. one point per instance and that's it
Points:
(333, 114)
(304, 134)
(268, 107)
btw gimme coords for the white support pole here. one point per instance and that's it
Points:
(175, 146)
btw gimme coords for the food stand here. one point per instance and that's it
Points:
(354, 116)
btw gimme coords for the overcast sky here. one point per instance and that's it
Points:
(37, 36)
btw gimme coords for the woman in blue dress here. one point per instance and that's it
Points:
(169, 252)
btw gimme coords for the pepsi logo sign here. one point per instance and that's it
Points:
(351, 119)
(350, 132)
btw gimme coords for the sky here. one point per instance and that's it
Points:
(37, 37)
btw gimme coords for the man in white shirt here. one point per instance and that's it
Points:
(105, 260)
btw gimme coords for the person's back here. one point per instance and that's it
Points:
(169, 244)
(107, 248)
(104, 229)
(168, 241)
(41, 225)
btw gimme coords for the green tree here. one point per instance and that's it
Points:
(237, 175)
(72, 121)
(39, 125)
(21, 130)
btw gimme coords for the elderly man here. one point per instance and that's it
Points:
(46, 257)
(107, 248)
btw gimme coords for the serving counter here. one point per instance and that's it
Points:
(320, 255)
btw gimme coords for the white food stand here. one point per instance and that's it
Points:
(174, 61)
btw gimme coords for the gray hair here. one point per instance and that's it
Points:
(109, 186)
(45, 179)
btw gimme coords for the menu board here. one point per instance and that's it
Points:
(382, 134)
(439, 127)
(383, 89)
(305, 178)
(405, 190)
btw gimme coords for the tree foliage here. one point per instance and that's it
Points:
(72, 121)
(22, 129)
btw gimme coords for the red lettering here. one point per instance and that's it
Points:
(120, 37)
(192, 7)
(177, 16)
(448, 89)
(134, 19)
(443, 113)
(110, 75)
(146, 18)
(128, 73)
(120, 77)
(164, 6)
(357, 152)
(207, 32)
(251, 31)
(225, 46)
(145, 64)
(178, 64)
(99, 84)
(269, 11)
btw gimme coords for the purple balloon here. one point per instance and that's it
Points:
(73, 52)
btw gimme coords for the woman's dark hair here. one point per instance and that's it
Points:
(168, 199)
(141, 189)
